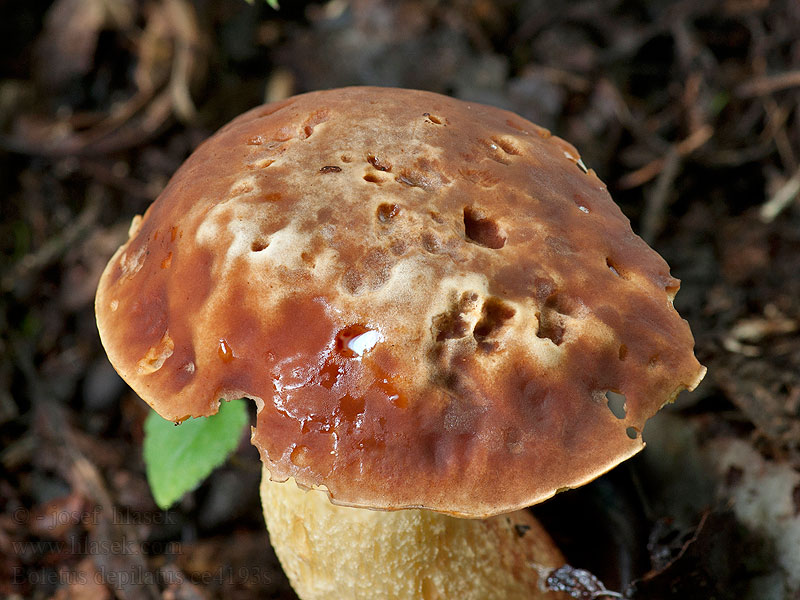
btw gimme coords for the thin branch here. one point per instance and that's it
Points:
(781, 199)
(654, 167)
(655, 209)
(768, 84)
(56, 246)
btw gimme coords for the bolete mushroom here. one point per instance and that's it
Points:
(435, 306)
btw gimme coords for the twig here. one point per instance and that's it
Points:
(656, 203)
(562, 77)
(768, 84)
(778, 116)
(632, 122)
(123, 567)
(736, 157)
(653, 168)
(119, 131)
(187, 41)
(53, 248)
(780, 199)
(99, 171)
(140, 117)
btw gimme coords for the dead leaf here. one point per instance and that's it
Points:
(577, 583)
(67, 45)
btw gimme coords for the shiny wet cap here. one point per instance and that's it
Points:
(434, 303)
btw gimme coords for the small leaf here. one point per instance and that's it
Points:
(179, 457)
(272, 3)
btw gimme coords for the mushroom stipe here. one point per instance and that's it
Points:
(428, 300)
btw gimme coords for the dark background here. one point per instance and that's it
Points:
(689, 110)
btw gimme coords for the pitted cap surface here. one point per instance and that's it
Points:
(430, 301)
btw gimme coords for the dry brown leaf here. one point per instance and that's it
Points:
(67, 45)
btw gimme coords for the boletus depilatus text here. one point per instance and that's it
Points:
(439, 312)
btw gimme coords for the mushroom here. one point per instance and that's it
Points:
(434, 305)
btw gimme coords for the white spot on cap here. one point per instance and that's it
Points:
(131, 264)
(157, 355)
(364, 342)
(136, 223)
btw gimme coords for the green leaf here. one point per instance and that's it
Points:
(719, 102)
(272, 3)
(179, 457)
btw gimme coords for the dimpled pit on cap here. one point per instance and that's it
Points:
(433, 303)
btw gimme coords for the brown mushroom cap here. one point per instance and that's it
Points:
(428, 299)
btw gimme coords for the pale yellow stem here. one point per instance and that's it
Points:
(332, 551)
